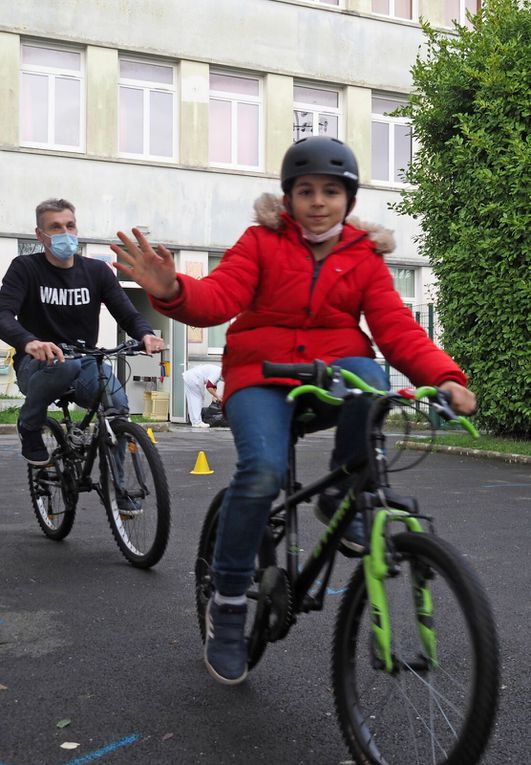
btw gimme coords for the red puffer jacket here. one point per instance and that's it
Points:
(267, 281)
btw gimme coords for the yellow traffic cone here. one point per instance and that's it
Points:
(201, 465)
(151, 435)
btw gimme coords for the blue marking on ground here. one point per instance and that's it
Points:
(97, 753)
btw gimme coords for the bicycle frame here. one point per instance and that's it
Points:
(101, 409)
(376, 502)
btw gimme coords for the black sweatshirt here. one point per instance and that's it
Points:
(39, 301)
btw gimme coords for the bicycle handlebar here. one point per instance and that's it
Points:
(78, 349)
(333, 385)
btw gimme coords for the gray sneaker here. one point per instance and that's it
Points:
(128, 506)
(354, 536)
(225, 648)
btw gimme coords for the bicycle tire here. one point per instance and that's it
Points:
(53, 495)
(142, 534)
(406, 716)
(203, 578)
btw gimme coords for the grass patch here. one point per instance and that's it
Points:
(9, 416)
(484, 443)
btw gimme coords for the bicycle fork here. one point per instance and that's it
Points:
(376, 571)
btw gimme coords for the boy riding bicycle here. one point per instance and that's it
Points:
(298, 283)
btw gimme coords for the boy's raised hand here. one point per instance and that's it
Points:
(154, 271)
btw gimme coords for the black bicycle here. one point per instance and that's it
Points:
(415, 655)
(132, 483)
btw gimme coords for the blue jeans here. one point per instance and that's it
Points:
(43, 384)
(260, 420)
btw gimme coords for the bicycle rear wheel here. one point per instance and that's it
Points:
(52, 489)
(204, 585)
(418, 715)
(138, 509)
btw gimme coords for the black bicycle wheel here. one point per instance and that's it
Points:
(52, 490)
(203, 579)
(418, 715)
(138, 508)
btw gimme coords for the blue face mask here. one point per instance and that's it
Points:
(63, 246)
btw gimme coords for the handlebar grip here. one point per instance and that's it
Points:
(293, 371)
(315, 372)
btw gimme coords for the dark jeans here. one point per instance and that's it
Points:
(43, 384)
(260, 420)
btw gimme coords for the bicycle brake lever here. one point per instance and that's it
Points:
(337, 386)
(441, 405)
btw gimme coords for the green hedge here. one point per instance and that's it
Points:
(470, 112)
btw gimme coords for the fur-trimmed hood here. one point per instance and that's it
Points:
(268, 209)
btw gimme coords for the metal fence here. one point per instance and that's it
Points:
(425, 316)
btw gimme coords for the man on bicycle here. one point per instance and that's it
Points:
(52, 297)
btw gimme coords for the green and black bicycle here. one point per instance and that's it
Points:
(415, 654)
(131, 484)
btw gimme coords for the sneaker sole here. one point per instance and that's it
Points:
(35, 463)
(220, 679)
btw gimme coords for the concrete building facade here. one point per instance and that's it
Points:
(174, 117)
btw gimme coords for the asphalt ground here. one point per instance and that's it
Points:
(86, 638)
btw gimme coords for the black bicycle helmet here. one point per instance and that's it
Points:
(319, 155)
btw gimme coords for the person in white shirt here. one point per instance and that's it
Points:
(196, 379)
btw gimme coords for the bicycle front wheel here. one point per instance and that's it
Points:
(52, 487)
(422, 713)
(135, 494)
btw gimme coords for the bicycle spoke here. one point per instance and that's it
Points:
(136, 495)
(418, 713)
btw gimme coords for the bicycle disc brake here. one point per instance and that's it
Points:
(274, 610)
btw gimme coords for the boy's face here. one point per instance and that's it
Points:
(317, 202)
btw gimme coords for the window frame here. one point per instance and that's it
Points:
(409, 300)
(311, 108)
(391, 122)
(52, 73)
(391, 14)
(234, 99)
(462, 19)
(147, 87)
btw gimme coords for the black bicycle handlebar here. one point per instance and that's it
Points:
(79, 349)
(315, 372)
(333, 384)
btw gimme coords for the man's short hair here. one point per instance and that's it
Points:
(52, 205)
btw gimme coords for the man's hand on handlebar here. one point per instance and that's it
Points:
(463, 401)
(44, 351)
(153, 344)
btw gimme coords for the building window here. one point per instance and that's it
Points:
(391, 141)
(398, 9)
(455, 10)
(29, 246)
(235, 121)
(326, 2)
(316, 112)
(52, 98)
(146, 110)
(404, 281)
(216, 335)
